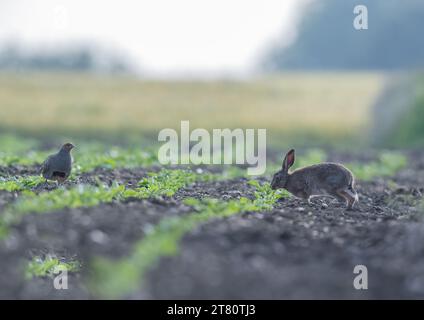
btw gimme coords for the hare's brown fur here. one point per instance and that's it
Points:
(322, 179)
(331, 179)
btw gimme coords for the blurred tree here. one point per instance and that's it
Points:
(327, 39)
(398, 119)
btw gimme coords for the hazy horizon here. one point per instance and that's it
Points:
(161, 38)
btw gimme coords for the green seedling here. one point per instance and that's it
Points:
(163, 183)
(88, 160)
(49, 266)
(87, 156)
(81, 196)
(116, 278)
(265, 197)
(29, 158)
(16, 184)
(389, 163)
(166, 183)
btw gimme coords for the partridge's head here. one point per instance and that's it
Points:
(68, 147)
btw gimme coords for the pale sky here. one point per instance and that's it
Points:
(162, 37)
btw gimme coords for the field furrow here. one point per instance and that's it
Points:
(161, 237)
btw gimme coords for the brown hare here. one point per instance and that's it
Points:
(331, 179)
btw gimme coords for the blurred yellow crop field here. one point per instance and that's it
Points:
(331, 103)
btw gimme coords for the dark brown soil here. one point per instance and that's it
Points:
(296, 250)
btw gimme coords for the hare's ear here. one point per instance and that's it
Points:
(288, 160)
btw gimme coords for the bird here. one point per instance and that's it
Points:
(58, 166)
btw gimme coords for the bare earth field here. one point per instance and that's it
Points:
(291, 250)
(125, 227)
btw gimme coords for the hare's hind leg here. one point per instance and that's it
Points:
(303, 195)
